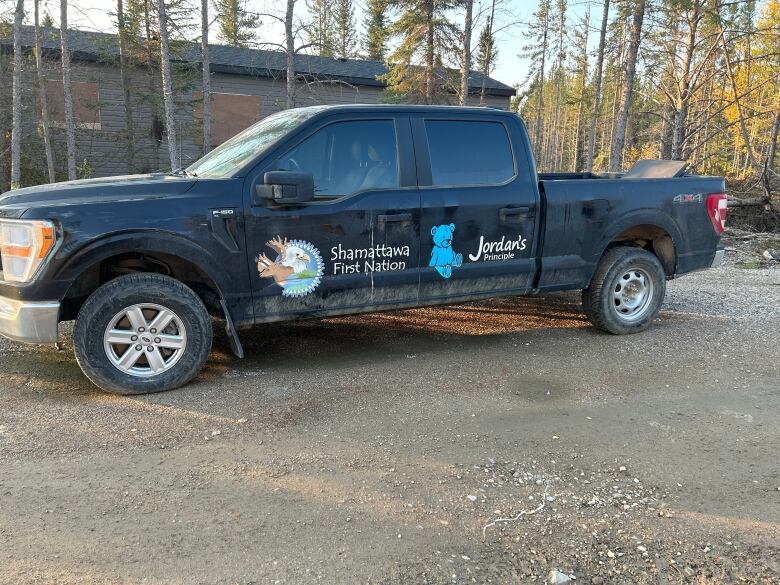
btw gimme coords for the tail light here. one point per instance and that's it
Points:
(716, 207)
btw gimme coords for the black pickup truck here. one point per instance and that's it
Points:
(326, 211)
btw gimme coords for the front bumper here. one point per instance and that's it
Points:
(718, 259)
(28, 321)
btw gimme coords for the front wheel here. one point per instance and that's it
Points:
(142, 333)
(626, 292)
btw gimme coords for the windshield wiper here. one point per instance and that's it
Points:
(183, 171)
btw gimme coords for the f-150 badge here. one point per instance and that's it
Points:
(297, 268)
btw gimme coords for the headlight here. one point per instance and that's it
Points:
(24, 245)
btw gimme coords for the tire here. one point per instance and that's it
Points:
(167, 359)
(626, 291)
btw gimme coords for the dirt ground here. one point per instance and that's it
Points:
(496, 442)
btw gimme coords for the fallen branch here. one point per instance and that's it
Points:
(520, 514)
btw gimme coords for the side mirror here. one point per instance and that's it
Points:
(285, 188)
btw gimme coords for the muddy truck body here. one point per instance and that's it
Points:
(327, 211)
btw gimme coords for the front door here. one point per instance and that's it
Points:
(478, 208)
(356, 246)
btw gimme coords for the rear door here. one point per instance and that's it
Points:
(479, 208)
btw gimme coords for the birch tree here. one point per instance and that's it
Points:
(165, 67)
(619, 137)
(582, 70)
(206, 68)
(16, 124)
(67, 92)
(536, 51)
(289, 42)
(465, 55)
(45, 122)
(597, 74)
(124, 75)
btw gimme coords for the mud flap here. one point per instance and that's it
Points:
(230, 329)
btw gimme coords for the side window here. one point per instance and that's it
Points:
(347, 157)
(469, 153)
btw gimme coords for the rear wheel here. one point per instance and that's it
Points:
(626, 292)
(142, 333)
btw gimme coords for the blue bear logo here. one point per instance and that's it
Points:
(443, 258)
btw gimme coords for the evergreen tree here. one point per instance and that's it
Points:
(375, 41)
(537, 51)
(428, 39)
(487, 53)
(237, 25)
(344, 33)
(320, 30)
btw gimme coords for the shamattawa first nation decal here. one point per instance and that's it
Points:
(298, 267)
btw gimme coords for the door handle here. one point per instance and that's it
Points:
(390, 217)
(506, 212)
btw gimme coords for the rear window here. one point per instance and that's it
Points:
(469, 153)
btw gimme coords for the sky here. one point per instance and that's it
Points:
(510, 69)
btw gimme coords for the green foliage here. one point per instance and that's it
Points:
(487, 52)
(375, 40)
(320, 29)
(427, 41)
(237, 26)
(344, 33)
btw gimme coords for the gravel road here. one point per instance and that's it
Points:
(497, 442)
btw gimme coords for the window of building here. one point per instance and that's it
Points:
(86, 104)
(347, 157)
(469, 152)
(230, 114)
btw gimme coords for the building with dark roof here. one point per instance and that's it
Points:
(247, 85)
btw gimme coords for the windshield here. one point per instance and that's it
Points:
(231, 155)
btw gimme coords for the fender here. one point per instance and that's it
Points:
(653, 217)
(150, 241)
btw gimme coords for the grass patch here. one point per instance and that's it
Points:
(749, 265)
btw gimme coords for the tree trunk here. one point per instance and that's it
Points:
(429, 52)
(165, 66)
(540, 100)
(619, 140)
(597, 88)
(489, 53)
(67, 92)
(16, 125)
(770, 157)
(751, 158)
(44, 98)
(680, 127)
(206, 66)
(465, 59)
(580, 127)
(290, 46)
(125, 80)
